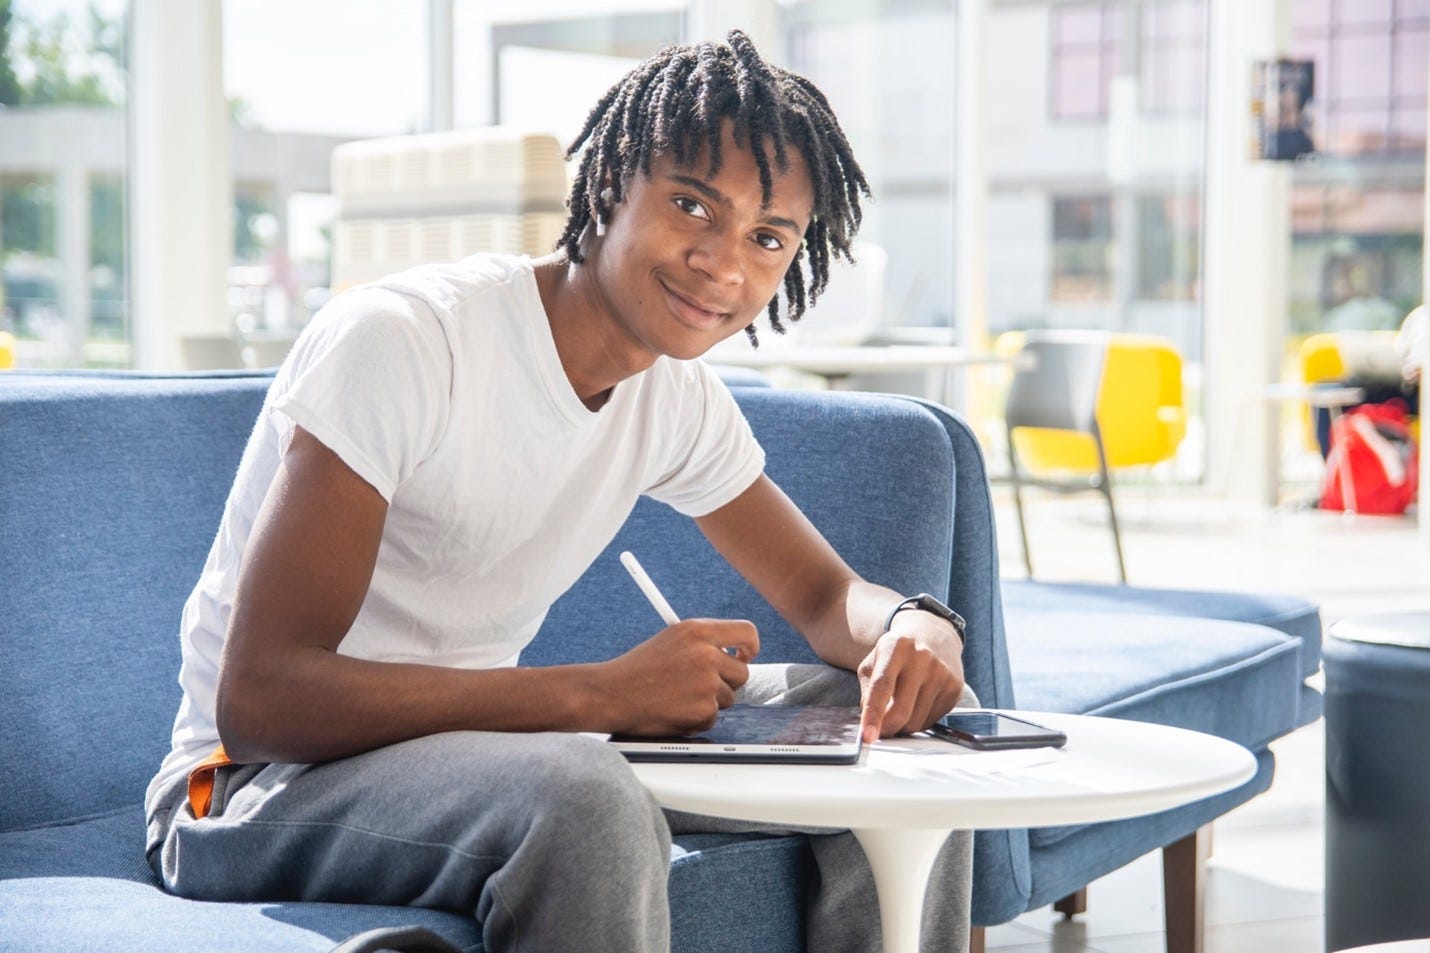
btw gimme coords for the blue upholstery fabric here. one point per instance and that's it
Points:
(111, 488)
(738, 894)
(1289, 614)
(1229, 679)
(111, 492)
(85, 886)
(1061, 863)
(795, 428)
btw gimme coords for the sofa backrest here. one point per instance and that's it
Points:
(873, 473)
(111, 490)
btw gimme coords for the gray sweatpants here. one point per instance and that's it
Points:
(547, 839)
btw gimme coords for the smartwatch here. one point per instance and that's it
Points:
(928, 603)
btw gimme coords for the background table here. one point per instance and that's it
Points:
(837, 362)
(905, 796)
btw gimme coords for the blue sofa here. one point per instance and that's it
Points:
(110, 491)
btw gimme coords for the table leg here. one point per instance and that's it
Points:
(901, 861)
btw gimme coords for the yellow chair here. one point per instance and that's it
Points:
(1321, 359)
(7, 350)
(1087, 404)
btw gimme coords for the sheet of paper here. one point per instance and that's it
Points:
(956, 759)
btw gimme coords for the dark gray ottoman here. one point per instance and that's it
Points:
(1377, 779)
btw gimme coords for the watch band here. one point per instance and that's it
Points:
(927, 603)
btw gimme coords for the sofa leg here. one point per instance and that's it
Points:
(975, 940)
(1073, 904)
(1184, 891)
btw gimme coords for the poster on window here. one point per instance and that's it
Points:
(1281, 93)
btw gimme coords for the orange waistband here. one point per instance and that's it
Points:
(201, 781)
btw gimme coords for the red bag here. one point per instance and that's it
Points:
(1373, 464)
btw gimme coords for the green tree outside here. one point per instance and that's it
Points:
(10, 91)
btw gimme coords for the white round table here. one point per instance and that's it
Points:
(906, 795)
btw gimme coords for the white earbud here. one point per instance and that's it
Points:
(607, 194)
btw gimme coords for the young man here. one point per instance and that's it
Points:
(442, 455)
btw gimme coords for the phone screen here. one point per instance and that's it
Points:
(986, 729)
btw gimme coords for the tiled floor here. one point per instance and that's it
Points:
(1266, 873)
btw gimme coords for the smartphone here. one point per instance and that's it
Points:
(991, 730)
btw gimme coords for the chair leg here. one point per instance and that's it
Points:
(1018, 505)
(1073, 904)
(1106, 487)
(1184, 891)
(1023, 529)
(975, 940)
(1116, 534)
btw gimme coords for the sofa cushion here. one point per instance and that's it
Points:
(85, 886)
(1229, 679)
(1289, 614)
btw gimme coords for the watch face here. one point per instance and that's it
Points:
(930, 604)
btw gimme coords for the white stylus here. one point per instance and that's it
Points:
(657, 601)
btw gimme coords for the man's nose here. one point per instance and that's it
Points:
(717, 256)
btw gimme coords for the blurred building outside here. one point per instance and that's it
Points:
(1095, 151)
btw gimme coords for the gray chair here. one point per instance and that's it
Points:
(1055, 387)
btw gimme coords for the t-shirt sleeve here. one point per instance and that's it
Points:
(719, 457)
(371, 380)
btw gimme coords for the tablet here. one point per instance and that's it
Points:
(777, 734)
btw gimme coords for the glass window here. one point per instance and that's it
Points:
(1357, 130)
(1084, 59)
(1310, 15)
(1412, 52)
(1370, 72)
(62, 262)
(1362, 67)
(1078, 91)
(1169, 231)
(32, 273)
(1082, 252)
(1355, 257)
(542, 66)
(1172, 56)
(338, 67)
(301, 79)
(1407, 125)
(1358, 12)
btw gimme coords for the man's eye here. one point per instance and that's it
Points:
(690, 207)
(769, 242)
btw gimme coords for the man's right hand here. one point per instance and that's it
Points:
(677, 681)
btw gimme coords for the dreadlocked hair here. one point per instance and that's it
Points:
(676, 102)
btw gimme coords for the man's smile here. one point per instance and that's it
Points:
(693, 311)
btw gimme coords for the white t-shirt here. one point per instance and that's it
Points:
(442, 388)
